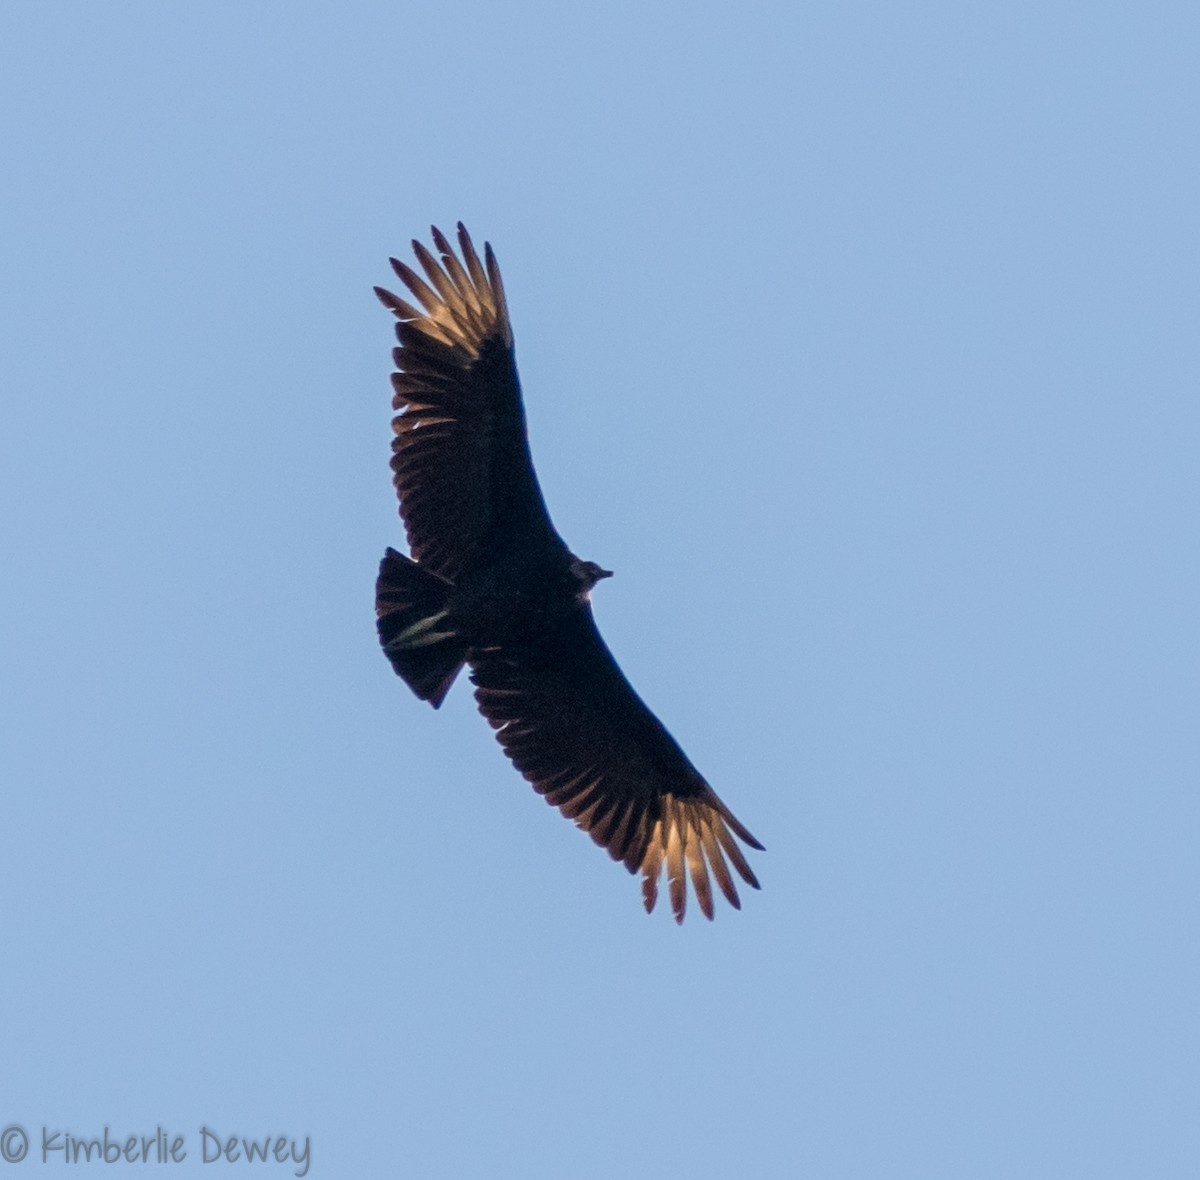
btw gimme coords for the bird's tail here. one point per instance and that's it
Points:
(415, 628)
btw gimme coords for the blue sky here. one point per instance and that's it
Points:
(859, 339)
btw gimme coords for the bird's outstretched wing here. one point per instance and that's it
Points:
(574, 727)
(460, 457)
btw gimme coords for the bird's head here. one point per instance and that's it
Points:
(587, 574)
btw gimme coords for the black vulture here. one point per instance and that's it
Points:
(491, 584)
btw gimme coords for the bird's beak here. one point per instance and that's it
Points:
(603, 573)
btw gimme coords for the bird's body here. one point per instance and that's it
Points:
(493, 585)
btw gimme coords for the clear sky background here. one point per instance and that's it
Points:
(860, 339)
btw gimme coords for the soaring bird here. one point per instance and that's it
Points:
(491, 584)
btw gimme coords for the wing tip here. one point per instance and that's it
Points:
(460, 306)
(692, 841)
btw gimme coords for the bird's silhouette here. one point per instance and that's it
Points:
(492, 584)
